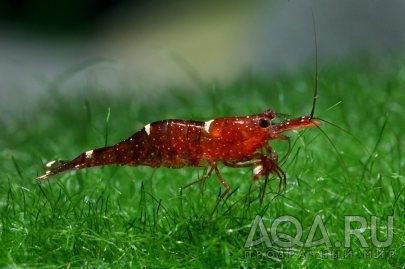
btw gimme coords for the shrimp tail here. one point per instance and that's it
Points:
(91, 158)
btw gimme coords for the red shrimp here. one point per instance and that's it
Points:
(233, 141)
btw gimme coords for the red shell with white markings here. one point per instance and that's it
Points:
(234, 141)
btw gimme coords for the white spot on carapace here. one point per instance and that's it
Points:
(207, 125)
(257, 170)
(89, 154)
(147, 128)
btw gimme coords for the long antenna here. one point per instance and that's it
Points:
(316, 68)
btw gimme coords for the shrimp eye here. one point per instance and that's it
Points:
(264, 123)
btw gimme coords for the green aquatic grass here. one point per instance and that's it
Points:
(137, 217)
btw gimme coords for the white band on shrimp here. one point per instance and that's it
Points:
(89, 154)
(147, 128)
(207, 125)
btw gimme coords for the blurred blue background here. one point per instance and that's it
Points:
(153, 45)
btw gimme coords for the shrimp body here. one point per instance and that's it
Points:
(233, 141)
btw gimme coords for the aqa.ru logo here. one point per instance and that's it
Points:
(287, 241)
